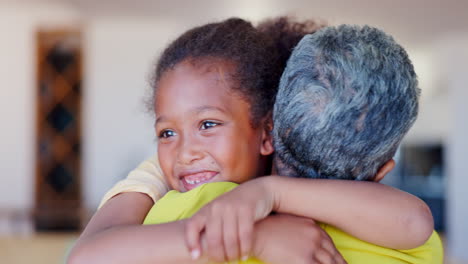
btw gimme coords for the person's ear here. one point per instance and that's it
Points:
(267, 141)
(384, 170)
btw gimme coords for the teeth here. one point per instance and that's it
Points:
(200, 177)
(193, 182)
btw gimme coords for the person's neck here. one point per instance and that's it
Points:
(274, 171)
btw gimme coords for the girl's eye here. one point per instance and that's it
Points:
(208, 124)
(167, 134)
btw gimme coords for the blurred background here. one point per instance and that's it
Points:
(74, 76)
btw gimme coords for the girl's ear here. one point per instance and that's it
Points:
(266, 147)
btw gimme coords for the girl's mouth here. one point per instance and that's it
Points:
(193, 180)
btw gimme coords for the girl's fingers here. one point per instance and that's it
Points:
(328, 246)
(215, 240)
(230, 236)
(324, 257)
(193, 229)
(246, 226)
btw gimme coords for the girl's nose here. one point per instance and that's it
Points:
(189, 150)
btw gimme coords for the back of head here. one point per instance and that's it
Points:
(346, 99)
(259, 55)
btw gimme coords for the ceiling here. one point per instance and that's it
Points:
(414, 21)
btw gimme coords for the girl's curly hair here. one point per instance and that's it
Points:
(259, 54)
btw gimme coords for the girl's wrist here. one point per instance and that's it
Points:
(271, 189)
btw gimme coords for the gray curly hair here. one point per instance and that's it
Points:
(346, 99)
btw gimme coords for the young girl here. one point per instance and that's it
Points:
(214, 91)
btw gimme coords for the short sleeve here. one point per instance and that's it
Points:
(147, 178)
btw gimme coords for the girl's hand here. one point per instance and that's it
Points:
(292, 239)
(228, 222)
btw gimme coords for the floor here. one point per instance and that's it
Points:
(48, 248)
(37, 249)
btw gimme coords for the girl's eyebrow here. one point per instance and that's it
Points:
(197, 111)
(206, 108)
(159, 119)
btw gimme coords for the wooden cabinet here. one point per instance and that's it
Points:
(58, 130)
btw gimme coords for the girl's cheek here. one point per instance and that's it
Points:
(219, 141)
(165, 158)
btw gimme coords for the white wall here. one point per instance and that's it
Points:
(118, 133)
(457, 159)
(433, 122)
(16, 104)
(17, 90)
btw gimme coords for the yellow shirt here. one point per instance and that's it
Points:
(147, 178)
(176, 206)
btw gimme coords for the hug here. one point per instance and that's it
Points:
(271, 142)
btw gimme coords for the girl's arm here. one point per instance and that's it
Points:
(115, 235)
(369, 211)
(275, 244)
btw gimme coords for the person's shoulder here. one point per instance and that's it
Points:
(216, 187)
(203, 193)
(149, 166)
(177, 205)
(432, 251)
(357, 251)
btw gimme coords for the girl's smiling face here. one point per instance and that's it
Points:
(204, 129)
